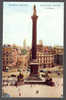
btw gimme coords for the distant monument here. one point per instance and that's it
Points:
(24, 44)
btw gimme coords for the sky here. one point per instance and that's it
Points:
(17, 23)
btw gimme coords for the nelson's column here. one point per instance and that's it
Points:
(34, 74)
(34, 65)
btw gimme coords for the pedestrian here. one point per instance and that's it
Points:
(19, 94)
(37, 91)
(16, 86)
(31, 85)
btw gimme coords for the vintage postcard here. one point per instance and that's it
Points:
(33, 49)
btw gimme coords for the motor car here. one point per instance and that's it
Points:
(6, 70)
(12, 75)
(28, 69)
(49, 71)
(41, 71)
(58, 73)
(43, 75)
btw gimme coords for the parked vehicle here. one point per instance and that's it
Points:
(43, 75)
(13, 75)
(28, 69)
(41, 71)
(6, 70)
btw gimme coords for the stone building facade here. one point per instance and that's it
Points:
(9, 56)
